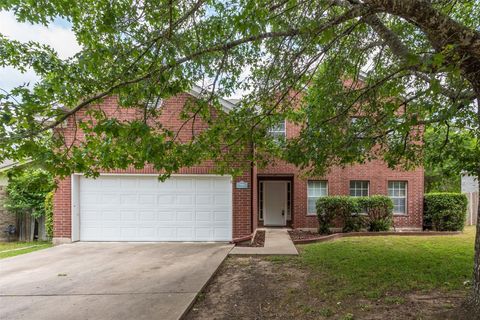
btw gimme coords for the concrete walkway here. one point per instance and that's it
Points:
(277, 242)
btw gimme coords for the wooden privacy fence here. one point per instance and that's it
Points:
(472, 208)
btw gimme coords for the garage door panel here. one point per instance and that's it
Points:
(145, 233)
(166, 216)
(128, 183)
(204, 234)
(147, 216)
(136, 208)
(184, 199)
(128, 199)
(222, 233)
(147, 199)
(185, 234)
(204, 199)
(221, 216)
(184, 216)
(185, 184)
(221, 185)
(107, 182)
(221, 199)
(166, 234)
(129, 233)
(128, 216)
(204, 216)
(166, 199)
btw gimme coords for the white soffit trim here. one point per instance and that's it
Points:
(197, 91)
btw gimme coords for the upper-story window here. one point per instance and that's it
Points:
(278, 131)
(155, 103)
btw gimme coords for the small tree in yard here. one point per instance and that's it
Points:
(26, 192)
(398, 66)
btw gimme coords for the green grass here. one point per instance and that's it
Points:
(8, 249)
(372, 267)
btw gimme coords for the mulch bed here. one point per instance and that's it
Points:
(258, 241)
(301, 236)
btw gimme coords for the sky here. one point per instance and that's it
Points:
(58, 35)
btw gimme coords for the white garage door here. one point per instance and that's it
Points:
(141, 208)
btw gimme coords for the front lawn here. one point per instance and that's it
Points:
(370, 267)
(10, 249)
(399, 277)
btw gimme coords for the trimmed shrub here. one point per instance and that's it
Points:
(379, 212)
(331, 207)
(49, 214)
(445, 211)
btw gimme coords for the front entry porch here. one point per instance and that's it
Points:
(275, 202)
(277, 242)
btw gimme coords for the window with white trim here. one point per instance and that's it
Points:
(397, 191)
(289, 201)
(260, 201)
(359, 188)
(278, 131)
(155, 103)
(315, 190)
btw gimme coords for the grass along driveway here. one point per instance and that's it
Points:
(10, 249)
(360, 278)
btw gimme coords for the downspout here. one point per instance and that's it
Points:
(253, 180)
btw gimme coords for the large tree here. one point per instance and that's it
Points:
(396, 66)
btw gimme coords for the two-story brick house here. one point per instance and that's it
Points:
(195, 204)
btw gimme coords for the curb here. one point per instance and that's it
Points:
(334, 236)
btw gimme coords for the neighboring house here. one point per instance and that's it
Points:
(197, 205)
(469, 186)
(469, 183)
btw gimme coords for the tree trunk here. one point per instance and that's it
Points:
(473, 302)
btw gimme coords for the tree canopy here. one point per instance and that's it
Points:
(395, 63)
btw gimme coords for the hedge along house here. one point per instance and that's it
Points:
(195, 204)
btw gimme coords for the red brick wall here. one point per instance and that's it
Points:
(62, 209)
(245, 202)
(338, 179)
(169, 118)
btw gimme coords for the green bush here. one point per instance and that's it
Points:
(379, 212)
(332, 207)
(49, 214)
(26, 191)
(445, 211)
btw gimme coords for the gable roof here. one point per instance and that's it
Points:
(197, 91)
(8, 164)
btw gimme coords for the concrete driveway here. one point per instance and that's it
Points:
(107, 280)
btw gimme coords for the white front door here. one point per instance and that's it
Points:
(275, 203)
(142, 208)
